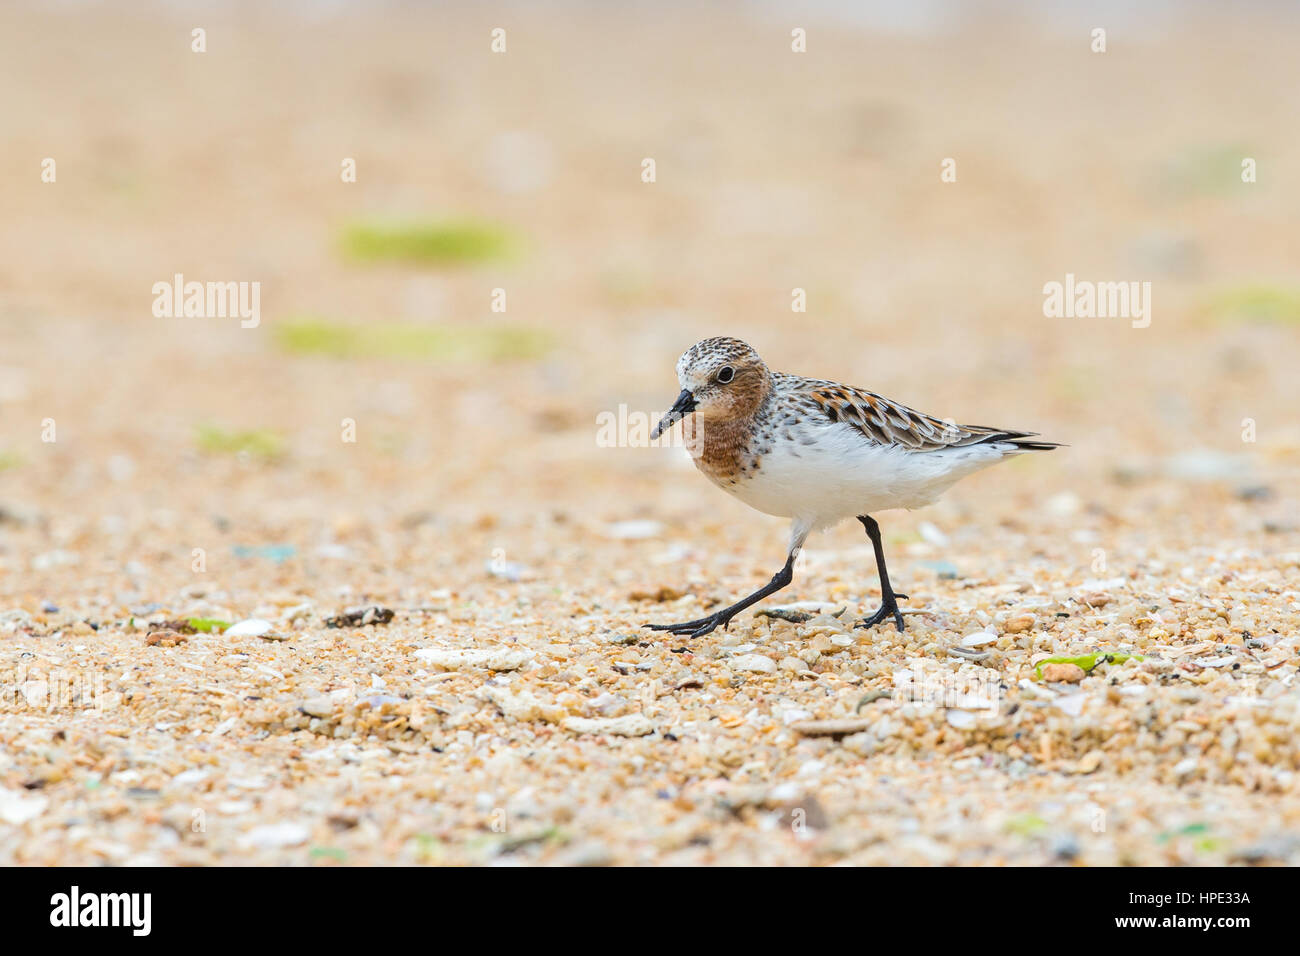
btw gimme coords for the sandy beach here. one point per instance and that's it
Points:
(439, 409)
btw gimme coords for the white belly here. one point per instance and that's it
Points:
(838, 475)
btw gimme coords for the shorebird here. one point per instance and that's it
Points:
(817, 452)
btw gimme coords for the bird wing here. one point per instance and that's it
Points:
(886, 422)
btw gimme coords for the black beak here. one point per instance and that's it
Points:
(684, 405)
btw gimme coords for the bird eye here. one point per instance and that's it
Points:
(726, 374)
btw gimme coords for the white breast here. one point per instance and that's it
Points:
(831, 472)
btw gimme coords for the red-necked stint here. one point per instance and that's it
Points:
(817, 452)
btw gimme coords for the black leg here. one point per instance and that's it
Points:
(702, 626)
(888, 598)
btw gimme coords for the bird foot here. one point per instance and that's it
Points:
(696, 628)
(887, 609)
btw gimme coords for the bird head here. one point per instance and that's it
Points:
(721, 379)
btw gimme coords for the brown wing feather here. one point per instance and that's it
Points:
(887, 422)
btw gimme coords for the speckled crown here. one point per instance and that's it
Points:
(716, 350)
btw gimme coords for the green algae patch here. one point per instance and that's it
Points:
(394, 340)
(261, 443)
(462, 242)
(1085, 661)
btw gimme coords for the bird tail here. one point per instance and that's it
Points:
(1023, 441)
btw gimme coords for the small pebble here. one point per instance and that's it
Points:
(252, 627)
(631, 725)
(755, 663)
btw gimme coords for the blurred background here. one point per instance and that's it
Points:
(476, 429)
(471, 301)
